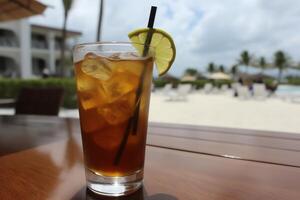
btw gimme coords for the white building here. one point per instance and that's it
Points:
(26, 49)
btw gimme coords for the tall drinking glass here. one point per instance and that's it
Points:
(113, 89)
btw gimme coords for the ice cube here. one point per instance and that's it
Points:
(96, 67)
(120, 110)
(92, 98)
(115, 56)
(109, 138)
(120, 84)
(83, 81)
(87, 100)
(134, 67)
(128, 55)
(91, 120)
(124, 56)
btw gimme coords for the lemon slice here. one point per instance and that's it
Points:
(162, 47)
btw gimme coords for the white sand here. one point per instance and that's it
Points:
(226, 111)
(219, 110)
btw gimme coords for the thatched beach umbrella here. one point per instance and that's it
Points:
(219, 76)
(18, 9)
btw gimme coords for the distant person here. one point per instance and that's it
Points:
(240, 80)
(45, 73)
(259, 80)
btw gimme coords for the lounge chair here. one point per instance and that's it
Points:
(224, 88)
(243, 92)
(167, 89)
(180, 94)
(234, 87)
(207, 88)
(39, 101)
(183, 90)
(260, 91)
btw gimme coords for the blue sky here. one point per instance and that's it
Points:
(203, 30)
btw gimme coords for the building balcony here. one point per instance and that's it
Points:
(9, 49)
(8, 38)
(39, 44)
(7, 42)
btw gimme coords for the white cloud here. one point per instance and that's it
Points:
(203, 30)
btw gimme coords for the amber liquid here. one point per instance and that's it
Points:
(107, 94)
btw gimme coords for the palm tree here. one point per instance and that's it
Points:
(211, 67)
(221, 68)
(245, 59)
(67, 6)
(98, 36)
(191, 71)
(262, 64)
(281, 62)
(234, 72)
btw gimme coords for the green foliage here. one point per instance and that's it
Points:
(281, 62)
(9, 88)
(245, 58)
(262, 63)
(221, 68)
(198, 84)
(211, 67)
(191, 71)
(268, 81)
(293, 80)
(219, 83)
(280, 59)
(159, 83)
(234, 70)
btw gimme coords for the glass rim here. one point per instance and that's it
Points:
(80, 50)
(121, 43)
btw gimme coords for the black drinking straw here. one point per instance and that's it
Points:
(133, 120)
(141, 81)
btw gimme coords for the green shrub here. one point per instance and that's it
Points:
(159, 83)
(293, 80)
(9, 88)
(219, 83)
(197, 84)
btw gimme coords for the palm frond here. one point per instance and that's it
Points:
(67, 5)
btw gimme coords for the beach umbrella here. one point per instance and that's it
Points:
(18, 9)
(219, 76)
(188, 78)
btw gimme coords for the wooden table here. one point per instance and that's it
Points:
(41, 158)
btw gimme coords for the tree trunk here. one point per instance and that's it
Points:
(98, 36)
(63, 47)
(279, 75)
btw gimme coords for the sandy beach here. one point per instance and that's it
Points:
(226, 111)
(220, 110)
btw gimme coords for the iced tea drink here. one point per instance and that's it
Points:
(113, 90)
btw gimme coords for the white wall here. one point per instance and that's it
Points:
(24, 53)
(51, 51)
(25, 48)
(12, 52)
(12, 26)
